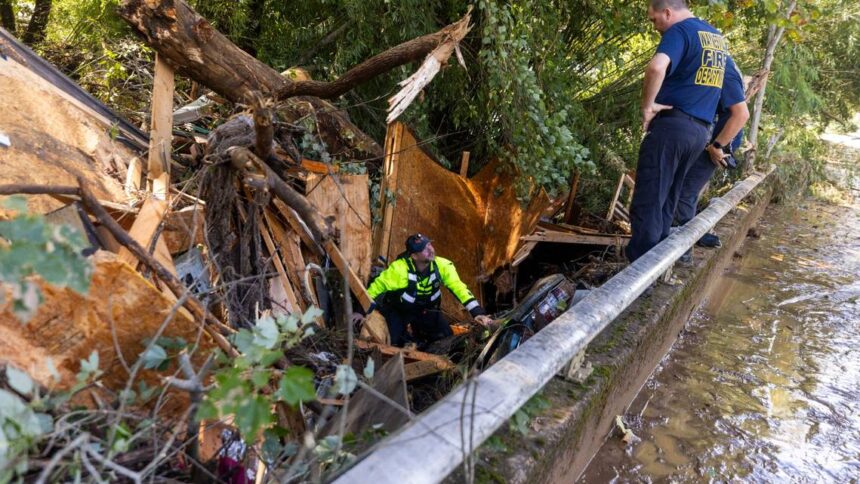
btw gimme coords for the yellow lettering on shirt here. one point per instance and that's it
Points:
(715, 52)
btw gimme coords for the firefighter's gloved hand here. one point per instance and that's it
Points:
(376, 270)
(357, 319)
(484, 320)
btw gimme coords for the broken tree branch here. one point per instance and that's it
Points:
(263, 127)
(409, 51)
(257, 174)
(190, 44)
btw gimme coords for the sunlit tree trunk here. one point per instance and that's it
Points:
(774, 35)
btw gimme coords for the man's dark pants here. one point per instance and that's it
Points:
(696, 178)
(428, 325)
(665, 156)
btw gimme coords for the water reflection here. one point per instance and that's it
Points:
(764, 384)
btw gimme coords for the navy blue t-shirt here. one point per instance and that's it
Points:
(733, 93)
(700, 56)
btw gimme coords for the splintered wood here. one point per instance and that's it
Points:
(53, 138)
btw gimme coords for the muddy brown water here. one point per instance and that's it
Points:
(764, 383)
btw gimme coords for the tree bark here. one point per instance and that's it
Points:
(7, 16)
(196, 50)
(38, 22)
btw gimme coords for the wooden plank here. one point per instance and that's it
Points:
(144, 227)
(464, 164)
(615, 197)
(347, 199)
(318, 167)
(288, 243)
(571, 199)
(298, 226)
(393, 149)
(134, 177)
(367, 410)
(571, 238)
(355, 284)
(413, 355)
(161, 134)
(523, 252)
(292, 302)
(420, 369)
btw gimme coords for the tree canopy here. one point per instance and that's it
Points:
(549, 86)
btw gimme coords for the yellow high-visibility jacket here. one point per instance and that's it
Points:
(403, 286)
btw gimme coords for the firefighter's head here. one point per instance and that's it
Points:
(420, 248)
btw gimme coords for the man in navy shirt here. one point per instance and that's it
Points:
(682, 87)
(727, 138)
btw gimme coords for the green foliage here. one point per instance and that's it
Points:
(24, 417)
(549, 86)
(240, 385)
(30, 246)
(521, 419)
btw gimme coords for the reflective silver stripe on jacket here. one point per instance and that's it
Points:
(407, 298)
(432, 277)
(435, 295)
(472, 305)
(412, 277)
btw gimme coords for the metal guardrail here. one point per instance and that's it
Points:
(430, 447)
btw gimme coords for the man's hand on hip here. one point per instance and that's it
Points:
(649, 112)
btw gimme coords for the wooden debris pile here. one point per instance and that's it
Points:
(252, 227)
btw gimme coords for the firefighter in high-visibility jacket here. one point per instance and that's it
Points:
(409, 292)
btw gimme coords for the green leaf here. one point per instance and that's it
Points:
(253, 414)
(345, 380)
(19, 381)
(153, 356)
(369, 368)
(90, 366)
(266, 333)
(311, 315)
(297, 385)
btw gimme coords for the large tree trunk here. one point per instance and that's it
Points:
(195, 49)
(38, 22)
(7, 16)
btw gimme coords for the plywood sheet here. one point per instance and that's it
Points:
(54, 139)
(505, 218)
(349, 203)
(120, 305)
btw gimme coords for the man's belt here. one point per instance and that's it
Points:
(676, 113)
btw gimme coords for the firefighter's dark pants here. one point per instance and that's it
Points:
(696, 178)
(428, 325)
(667, 152)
